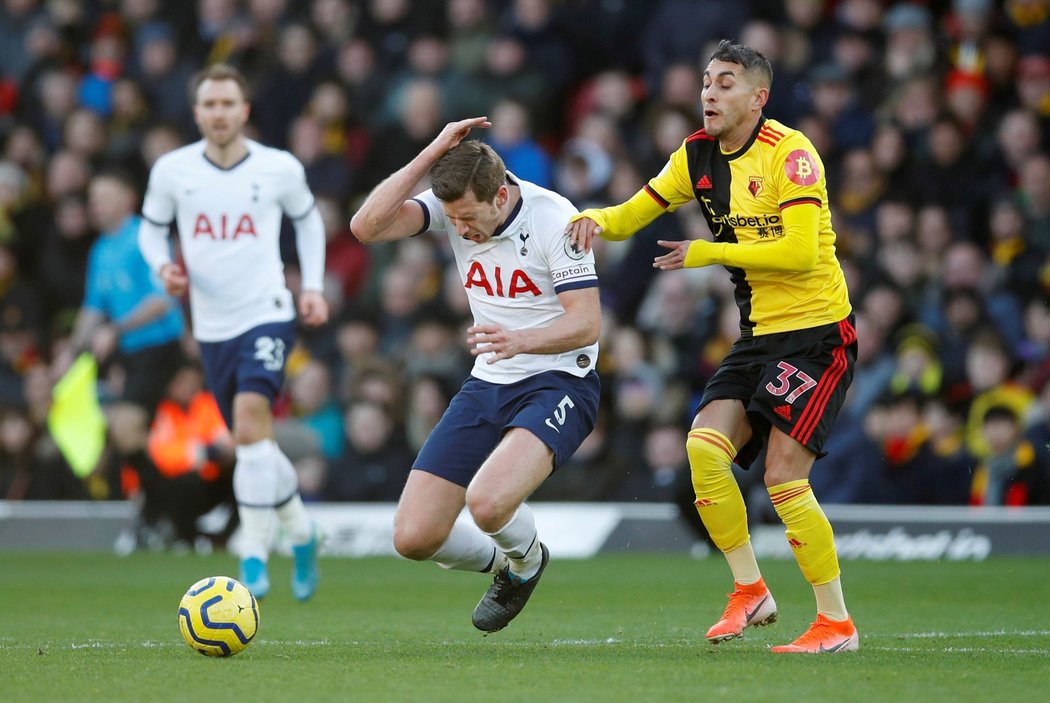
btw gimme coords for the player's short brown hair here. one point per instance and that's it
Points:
(469, 166)
(220, 72)
(753, 61)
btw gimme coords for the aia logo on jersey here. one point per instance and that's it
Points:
(755, 186)
(224, 227)
(801, 168)
(499, 283)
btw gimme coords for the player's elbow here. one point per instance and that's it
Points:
(362, 229)
(799, 259)
(807, 259)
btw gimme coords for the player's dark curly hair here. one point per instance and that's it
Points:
(752, 61)
(468, 166)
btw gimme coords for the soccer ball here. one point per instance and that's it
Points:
(218, 616)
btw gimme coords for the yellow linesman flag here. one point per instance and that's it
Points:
(76, 420)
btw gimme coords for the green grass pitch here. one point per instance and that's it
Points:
(76, 627)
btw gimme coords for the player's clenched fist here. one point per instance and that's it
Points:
(313, 308)
(174, 279)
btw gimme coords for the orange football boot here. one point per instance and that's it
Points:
(824, 637)
(749, 606)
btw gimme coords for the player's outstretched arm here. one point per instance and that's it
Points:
(796, 251)
(387, 213)
(615, 223)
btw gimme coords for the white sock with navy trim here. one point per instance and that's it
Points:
(519, 540)
(466, 549)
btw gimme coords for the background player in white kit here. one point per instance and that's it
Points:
(533, 393)
(227, 194)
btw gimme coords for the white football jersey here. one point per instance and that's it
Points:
(513, 280)
(229, 227)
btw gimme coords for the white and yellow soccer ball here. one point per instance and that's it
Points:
(218, 616)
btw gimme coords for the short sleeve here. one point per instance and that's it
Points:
(570, 267)
(433, 213)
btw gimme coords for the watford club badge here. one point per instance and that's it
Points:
(755, 186)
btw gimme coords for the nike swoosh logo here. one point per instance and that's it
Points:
(836, 648)
(749, 613)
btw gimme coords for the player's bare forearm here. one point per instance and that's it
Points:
(385, 215)
(578, 327)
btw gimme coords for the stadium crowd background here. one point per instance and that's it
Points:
(932, 119)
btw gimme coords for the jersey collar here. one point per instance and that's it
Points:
(747, 145)
(232, 166)
(503, 228)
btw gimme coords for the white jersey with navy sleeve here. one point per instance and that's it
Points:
(513, 280)
(229, 222)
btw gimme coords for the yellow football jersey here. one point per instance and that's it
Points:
(743, 196)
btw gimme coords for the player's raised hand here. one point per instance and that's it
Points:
(455, 132)
(174, 279)
(313, 308)
(494, 339)
(582, 232)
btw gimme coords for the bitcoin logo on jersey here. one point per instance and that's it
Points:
(802, 168)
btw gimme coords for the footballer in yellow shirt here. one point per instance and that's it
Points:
(762, 189)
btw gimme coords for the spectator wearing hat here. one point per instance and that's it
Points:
(910, 49)
(1030, 22)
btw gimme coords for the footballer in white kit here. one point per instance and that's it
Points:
(227, 194)
(513, 280)
(532, 396)
(229, 222)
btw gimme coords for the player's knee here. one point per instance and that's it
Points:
(489, 512)
(416, 544)
(709, 459)
(252, 418)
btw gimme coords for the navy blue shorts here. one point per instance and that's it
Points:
(557, 407)
(253, 361)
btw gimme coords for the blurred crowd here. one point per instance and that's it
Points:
(932, 119)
